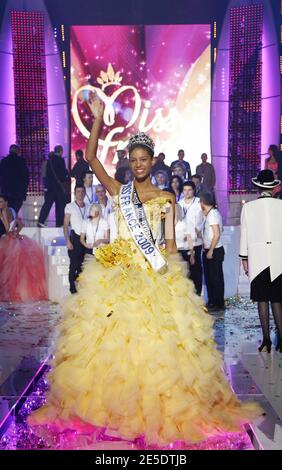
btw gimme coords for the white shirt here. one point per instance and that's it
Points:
(90, 195)
(261, 241)
(77, 215)
(213, 218)
(180, 234)
(94, 231)
(194, 218)
(106, 209)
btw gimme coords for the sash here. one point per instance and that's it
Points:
(134, 215)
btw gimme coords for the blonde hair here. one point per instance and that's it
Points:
(97, 207)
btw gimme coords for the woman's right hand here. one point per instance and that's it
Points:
(96, 105)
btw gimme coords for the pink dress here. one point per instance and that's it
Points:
(22, 269)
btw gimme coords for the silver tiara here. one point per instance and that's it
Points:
(141, 139)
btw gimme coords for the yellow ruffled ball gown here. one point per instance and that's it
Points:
(136, 353)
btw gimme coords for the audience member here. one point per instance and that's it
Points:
(206, 171)
(183, 238)
(14, 177)
(104, 201)
(161, 166)
(80, 167)
(213, 254)
(196, 179)
(160, 179)
(57, 182)
(185, 164)
(123, 175)
(122, 162)
(94, 231)
(193, 217)
(176, 186)
(75, 213)
(90, 190)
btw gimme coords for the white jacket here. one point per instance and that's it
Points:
(261, 236)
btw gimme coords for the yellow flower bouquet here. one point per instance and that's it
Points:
(119, 252)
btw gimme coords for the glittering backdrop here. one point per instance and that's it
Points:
(154, 79)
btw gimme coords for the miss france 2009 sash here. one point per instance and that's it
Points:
(134, 215)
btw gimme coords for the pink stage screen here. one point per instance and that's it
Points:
(154, 79)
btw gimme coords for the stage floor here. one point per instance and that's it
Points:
(26, 341)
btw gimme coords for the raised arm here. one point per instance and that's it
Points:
(97, 108)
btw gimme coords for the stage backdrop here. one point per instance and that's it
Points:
(154, 79)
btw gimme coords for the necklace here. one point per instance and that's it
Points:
(94, 235)
(96, 230)
(187, 208)
(82, 213)
(89, 199)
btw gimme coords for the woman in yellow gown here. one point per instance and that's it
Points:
(135, 352)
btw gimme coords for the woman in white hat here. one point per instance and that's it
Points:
(261, 253)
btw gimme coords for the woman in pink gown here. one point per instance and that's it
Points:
(22, 266)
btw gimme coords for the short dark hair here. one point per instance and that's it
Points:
(86, 173)
(79, 186)
(13, 148)
(197, 176)
(79, 153)
(180, 150)
(58, 148)
(190, 183)
(207, 198)
(3, 196)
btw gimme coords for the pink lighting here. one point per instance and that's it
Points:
(30, 91)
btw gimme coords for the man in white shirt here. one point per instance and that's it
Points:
(104, 201)
(90, 192)
(75, 213)
(193, 217)
(213, 254)
(94, 231)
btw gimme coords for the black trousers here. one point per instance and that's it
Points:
(214, 276)
(76, 257)
(51, 197)
(196, 271)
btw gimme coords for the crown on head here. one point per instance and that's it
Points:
(141, 139)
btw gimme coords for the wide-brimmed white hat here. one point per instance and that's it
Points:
(265, 179)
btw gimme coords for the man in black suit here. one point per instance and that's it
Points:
(14, 177)
(57, 178)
